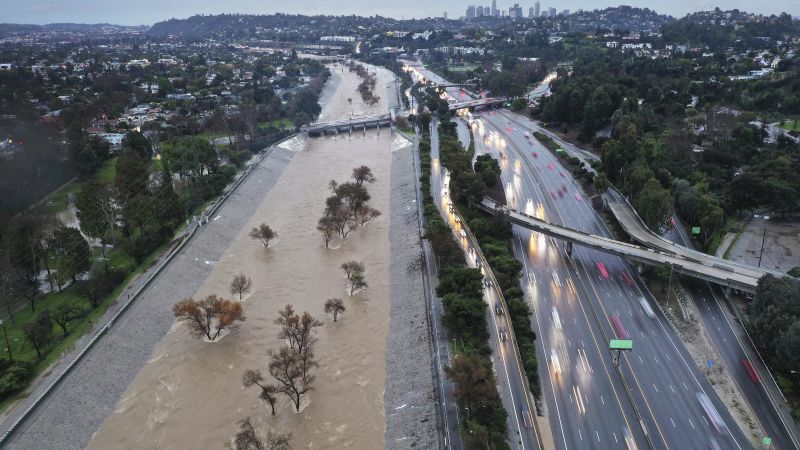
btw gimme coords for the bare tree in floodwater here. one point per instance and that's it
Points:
(292, 372)
(208, 316)
(363, 174)
(334, 306)
(253, 377)
(263, 233)
(248, 439)
(241, 285)
(354, 271)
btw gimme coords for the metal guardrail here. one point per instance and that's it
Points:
(187, 236)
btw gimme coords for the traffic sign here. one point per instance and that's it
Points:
(766, 441)
(695, 230)
(620, 344)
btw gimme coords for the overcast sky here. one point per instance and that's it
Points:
(147, 12)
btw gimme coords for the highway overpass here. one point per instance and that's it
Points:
(472, 104)
(744, 281)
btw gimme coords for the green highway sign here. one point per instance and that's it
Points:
(766, 441)
(620, 344)
(695, 230)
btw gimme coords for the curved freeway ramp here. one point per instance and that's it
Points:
(636, 228)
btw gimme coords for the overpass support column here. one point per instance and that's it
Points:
(364, 131)
(569, 248)
(639, 268)
(379, 129)
(727, 291)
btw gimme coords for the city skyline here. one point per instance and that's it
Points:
(148, 12)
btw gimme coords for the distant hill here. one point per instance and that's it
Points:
(288, 27)
(617, 18)
(7, 28)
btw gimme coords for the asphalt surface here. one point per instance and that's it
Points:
(441, 342)
(521, 432)
(728, 336)
(661, 380)
(734, 347)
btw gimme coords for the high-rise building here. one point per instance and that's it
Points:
(537, 9)
(551, 12)
(565, 12)
(494, 8)
(479, 11)
(444, 15)
(515, 11)
(470, 12)
(530, 13)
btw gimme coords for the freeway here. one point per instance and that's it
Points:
(596, 295)
(523, 430)
(728, 337)
(735, 346)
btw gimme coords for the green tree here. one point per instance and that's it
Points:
(654, 204)
(138, 143)
(71, 254)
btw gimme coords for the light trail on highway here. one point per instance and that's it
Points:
(667, 395)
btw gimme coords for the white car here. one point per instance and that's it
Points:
(554, 361)
(556, 318)
(556, 280)
(647, 308)
(463, 233)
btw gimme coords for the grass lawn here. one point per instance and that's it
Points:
(792, 125)
(22, 350)
(58, 200)
(277, 123)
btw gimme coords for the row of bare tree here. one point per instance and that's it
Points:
(367, 85)
(347, 208)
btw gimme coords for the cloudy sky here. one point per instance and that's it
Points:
(147, 12)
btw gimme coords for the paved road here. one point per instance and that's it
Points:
(728, 337)
(441, 342)
(522, 432)
(732, 343)
(662, 379)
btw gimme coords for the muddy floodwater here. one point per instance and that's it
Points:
(190, 395)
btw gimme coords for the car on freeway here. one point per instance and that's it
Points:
(630, 444)
(751, 371)
(526, 420)
(556, 280)
(556, 318)
(554, 361)
(619, 329)
(462, 233)
(602, 268)
(627, 278)
(711, 412)
(503, 335)
(498, 308)
(647, 308)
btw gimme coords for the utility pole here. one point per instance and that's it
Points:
(763, 239)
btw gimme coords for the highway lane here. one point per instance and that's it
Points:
(559, 196)
(727, 335)
(522, 431)
(586, 407)
(734, 349)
